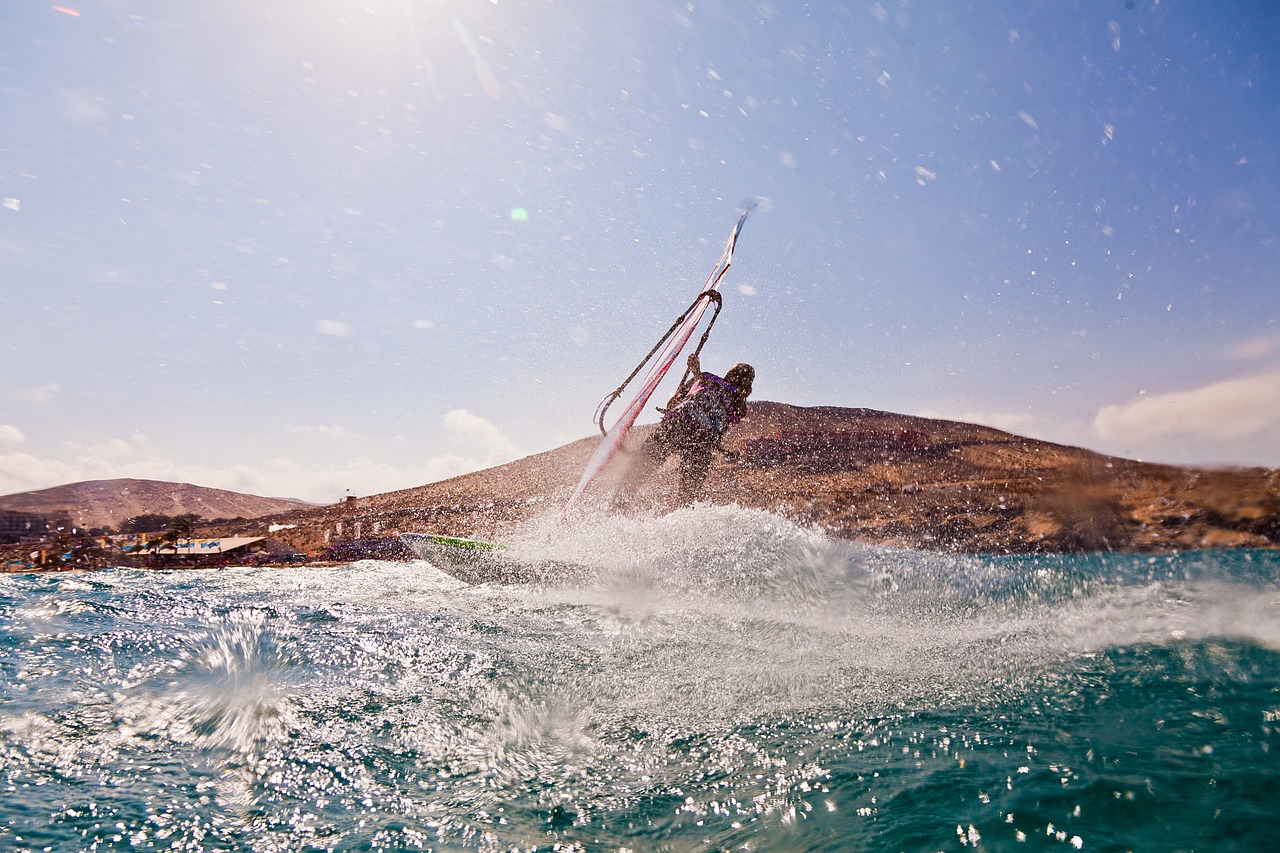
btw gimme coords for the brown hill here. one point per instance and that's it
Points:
(108, 503)
(871, 476)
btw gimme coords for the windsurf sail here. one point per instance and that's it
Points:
(667, 351)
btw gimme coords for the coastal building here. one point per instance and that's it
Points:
(212, 549)
(19, 526)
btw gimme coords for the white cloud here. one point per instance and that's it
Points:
(324, 430)
(478, 436)
(1075, 433)
(1019, 423)
(80, 106)
(1232, 422)
(1254, 348)
(114, 448)
(556, 122)
(11, 435)
(1241, 408)
(43, 394)
(22, 472)
(321, 482)
(477, 444)
(334, 328)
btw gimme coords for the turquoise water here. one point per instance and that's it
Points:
(728, 681)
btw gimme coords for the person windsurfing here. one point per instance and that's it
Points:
(666, 351)
(692, 427)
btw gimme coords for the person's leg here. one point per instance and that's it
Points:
(695, 461)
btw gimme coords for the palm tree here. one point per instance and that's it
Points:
(183, 527)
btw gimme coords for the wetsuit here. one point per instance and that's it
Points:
(693, 429)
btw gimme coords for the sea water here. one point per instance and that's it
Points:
(726, 680)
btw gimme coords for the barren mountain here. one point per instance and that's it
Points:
(866, 475)
(107, 503)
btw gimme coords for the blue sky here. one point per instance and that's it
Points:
(312, 247)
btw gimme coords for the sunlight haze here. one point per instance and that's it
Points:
(305, 249)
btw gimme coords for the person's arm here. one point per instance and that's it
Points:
(681, 392)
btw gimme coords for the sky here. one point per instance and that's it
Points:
(313, 248)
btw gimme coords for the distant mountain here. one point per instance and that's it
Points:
(108, 503)
(865, 475)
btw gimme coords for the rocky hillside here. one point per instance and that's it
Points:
(107, 503)
(865, 475)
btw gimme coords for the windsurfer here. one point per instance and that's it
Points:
(693, 426)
